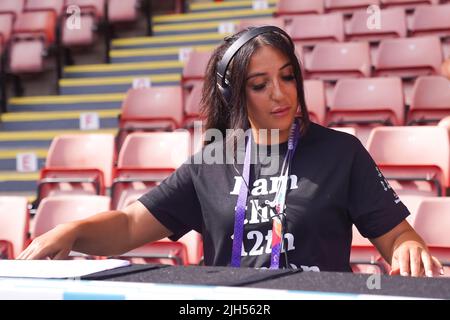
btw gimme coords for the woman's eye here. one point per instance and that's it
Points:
(289, 77)
(258, 87)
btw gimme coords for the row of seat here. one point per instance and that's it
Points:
(144, 160)
(15, 227)
(392, 23)
(288, 7)
(378, 101)
(352, 101)
(405, 58)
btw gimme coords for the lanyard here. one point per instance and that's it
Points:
(278, 203)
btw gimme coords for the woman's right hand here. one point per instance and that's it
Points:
(54, 244)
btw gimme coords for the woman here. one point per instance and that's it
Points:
(248, 213)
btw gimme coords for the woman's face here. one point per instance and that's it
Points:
(271, 91)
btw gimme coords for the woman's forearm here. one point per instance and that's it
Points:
(106, 233)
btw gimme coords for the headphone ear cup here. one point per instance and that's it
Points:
(226, 92)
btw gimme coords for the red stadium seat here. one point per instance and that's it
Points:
(122, 11)
(433, 20)
(369, 101)
(364, 257)
(145, 159)
(56, 6)
(431, 223)
(259, 22)
(409, 57)
(192, 106)
(62, 209)
(188, 250)
(294, 7)
(408, 4)
(150, 109)
(96, 7)
(36, 25)
(414, 159)
(412, 202)
(311, 29)
(332, 61)
(194, 68)
(73, 37)
(26, 57)
(77, 164)
(57, 210)
(160, 252)
(430, 100)
(348, 5)
(445, 123)
(91, 13)
(393, 25)
(33, 32)
(315, 100)
(12, 7)
(6, 25)
(14, 224)
(194, 244)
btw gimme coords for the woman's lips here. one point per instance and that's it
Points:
(280, 111)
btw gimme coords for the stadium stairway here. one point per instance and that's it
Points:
(31, 122)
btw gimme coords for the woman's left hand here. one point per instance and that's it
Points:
(413, 258)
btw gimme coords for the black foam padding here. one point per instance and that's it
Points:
(122, 271)
(331, 282)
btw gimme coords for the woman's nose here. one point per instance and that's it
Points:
(277, 91)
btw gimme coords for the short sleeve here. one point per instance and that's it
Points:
(373, 206)
(175, 203)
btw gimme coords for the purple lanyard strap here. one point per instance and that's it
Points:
(278, 202)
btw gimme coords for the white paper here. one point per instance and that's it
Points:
(26, 162)
(56, 268)
(89, 121)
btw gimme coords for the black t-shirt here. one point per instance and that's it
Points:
(333, 183)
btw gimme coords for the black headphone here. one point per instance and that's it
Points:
(222, 83)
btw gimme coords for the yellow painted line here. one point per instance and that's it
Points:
(191, 26)
(166, 39)
(183, 18)
(46, 135)
(154, 51)
(42, 116)
(216, 5)
(9, 154)
(68, 99)
(18, 176)
(116, 80)
(124, 66)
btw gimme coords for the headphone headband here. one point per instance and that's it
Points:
(222, 66)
